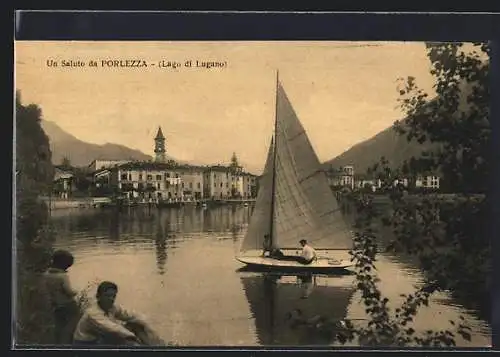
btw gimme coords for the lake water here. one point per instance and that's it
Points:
(177, 268)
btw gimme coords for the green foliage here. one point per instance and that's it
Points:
(447, 233)
(457, 119)
(457, 250)
(34, 173)
(82, 181)
(34, 322)
(387, 327)
(101, 187)
(33, 156)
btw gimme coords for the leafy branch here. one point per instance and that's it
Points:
(385, 327)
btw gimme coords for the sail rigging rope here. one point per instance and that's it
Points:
(310, 176)
(302, 132)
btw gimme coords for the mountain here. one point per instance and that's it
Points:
(394, 147)
(81, 153)
(387, 143)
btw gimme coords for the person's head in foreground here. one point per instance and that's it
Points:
(62, 259)
(303, 242)
(106, 295)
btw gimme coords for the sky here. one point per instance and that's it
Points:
(343, 93)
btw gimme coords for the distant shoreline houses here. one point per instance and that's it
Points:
(345, 177)
(174, 182)
(163, 180)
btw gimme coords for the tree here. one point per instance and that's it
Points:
(367, 187)
(33, 167)
(405, 168)
(457, 118)
(34, 175)
(33, 155)
(454, 250)
(82, 181)
(449, 237)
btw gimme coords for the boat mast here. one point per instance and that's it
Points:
(273, 191)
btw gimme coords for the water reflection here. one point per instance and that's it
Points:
(177, 267)
(160, 247)
(290, 309)
(142, 221)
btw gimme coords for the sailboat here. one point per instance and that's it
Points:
(295, 202)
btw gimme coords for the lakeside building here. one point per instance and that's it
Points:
(63, 182)
(226, 182)
(341, 177)
(431, 181)
(363, 181)
(167, 180)
(344, 176)
(100, 164)
(426, 181)
(216, 182)
(157, 181)
(403, 181)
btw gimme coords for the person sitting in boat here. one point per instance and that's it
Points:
(308, 253)
(307, 257)
(276, 253)
(269, 250)
(105, 323)
(266, 245)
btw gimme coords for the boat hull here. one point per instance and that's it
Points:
(322, 264)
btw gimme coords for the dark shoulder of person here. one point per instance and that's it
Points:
(278, 253)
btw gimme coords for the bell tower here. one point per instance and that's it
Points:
(160, 151)
(234, 165)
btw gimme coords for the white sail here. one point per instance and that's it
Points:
(260, 222)
(304, 205)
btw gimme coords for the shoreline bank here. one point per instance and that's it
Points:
(98, 202)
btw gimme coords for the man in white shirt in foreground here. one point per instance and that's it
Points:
(103, 323)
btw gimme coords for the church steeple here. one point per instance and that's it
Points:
(234, 165)
(234, 160)
(160, 151)
(159, 135)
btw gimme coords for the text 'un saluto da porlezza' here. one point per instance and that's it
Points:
(136, 64)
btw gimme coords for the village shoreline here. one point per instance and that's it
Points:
(55, 203)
